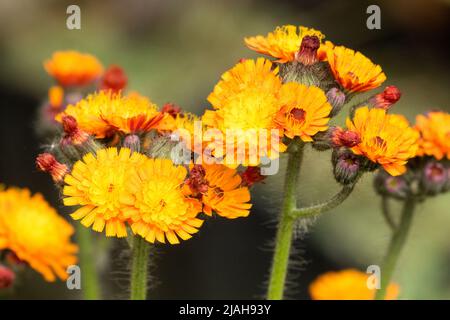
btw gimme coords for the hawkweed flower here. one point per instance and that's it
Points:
(353, 71)
(386, 139)
(434, 128)
(305, 111)
(160, 209)
(349, 284)
(284, 43)
(245, 103)
(114, 79)
(35, 232)
(102, 113)
(97, 186)
(220, 190)
(72, 68)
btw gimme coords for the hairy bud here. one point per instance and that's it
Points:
(307, 54)
(344, 138)
(337, 100)
(7, 277)
(46, 162)
(132, 142)
(346, 167)
(114, 79)
(252, 175)
(387, 98)
(434, 177)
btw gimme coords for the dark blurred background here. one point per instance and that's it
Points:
(175, 51)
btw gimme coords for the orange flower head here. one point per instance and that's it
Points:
(72, 68)
(97, 185)
(386, 139)
(224, 194)
(305, 111)
(283, 43)
(354, 71)
(161, 210)
(34, 231)
(246, 101)
(105, 111)
(434, 128)
(349, 284)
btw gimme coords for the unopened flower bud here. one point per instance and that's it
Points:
(346, 168)
(307, 54)
(75, 143)
(72, 132)
(46, 162)
(132, 142)
(252, 175)
(387, 98)
(196, 181)
(344, 138)
(434, 177)
(7, 277)
(114, 79)
(171, 109)
(396, 187)
(13, 259)
(337, 100)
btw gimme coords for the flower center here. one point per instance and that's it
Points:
(298, 114)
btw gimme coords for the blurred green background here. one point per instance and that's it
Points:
(175, 51)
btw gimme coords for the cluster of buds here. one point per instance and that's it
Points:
(425, 177)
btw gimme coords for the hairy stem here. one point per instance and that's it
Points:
(395, 247)
(89, 276)
(315, 210)
(283, 238)
(139, 269)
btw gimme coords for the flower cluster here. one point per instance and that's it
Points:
(428, 173)
(114, 159)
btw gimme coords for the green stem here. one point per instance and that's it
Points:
(315, 210)
(89, 276)
(286, 224)
(395, 247)
(139, 269)
(387, 213)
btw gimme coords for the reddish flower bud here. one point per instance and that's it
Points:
(252, 175)
(434, 177)
(196, 181)
(337, 100)
(46, 162)
(346, 168)
(114, 79)
(307, 54)
(7, 277)
(171, 109)
(13, 259)
(73, 134)
(344, 138)
(132, 142)
(387, 98)
(242, 60)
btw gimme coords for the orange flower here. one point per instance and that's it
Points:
(283, 43)
(305, 111)
(104, 112)
(246, 101)
(434, 128)
(34, 231)
(349, 284)
(220, 190)
(161, 210)
(353, 70)
(386, 139)
(97, 184)
(72, 68)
